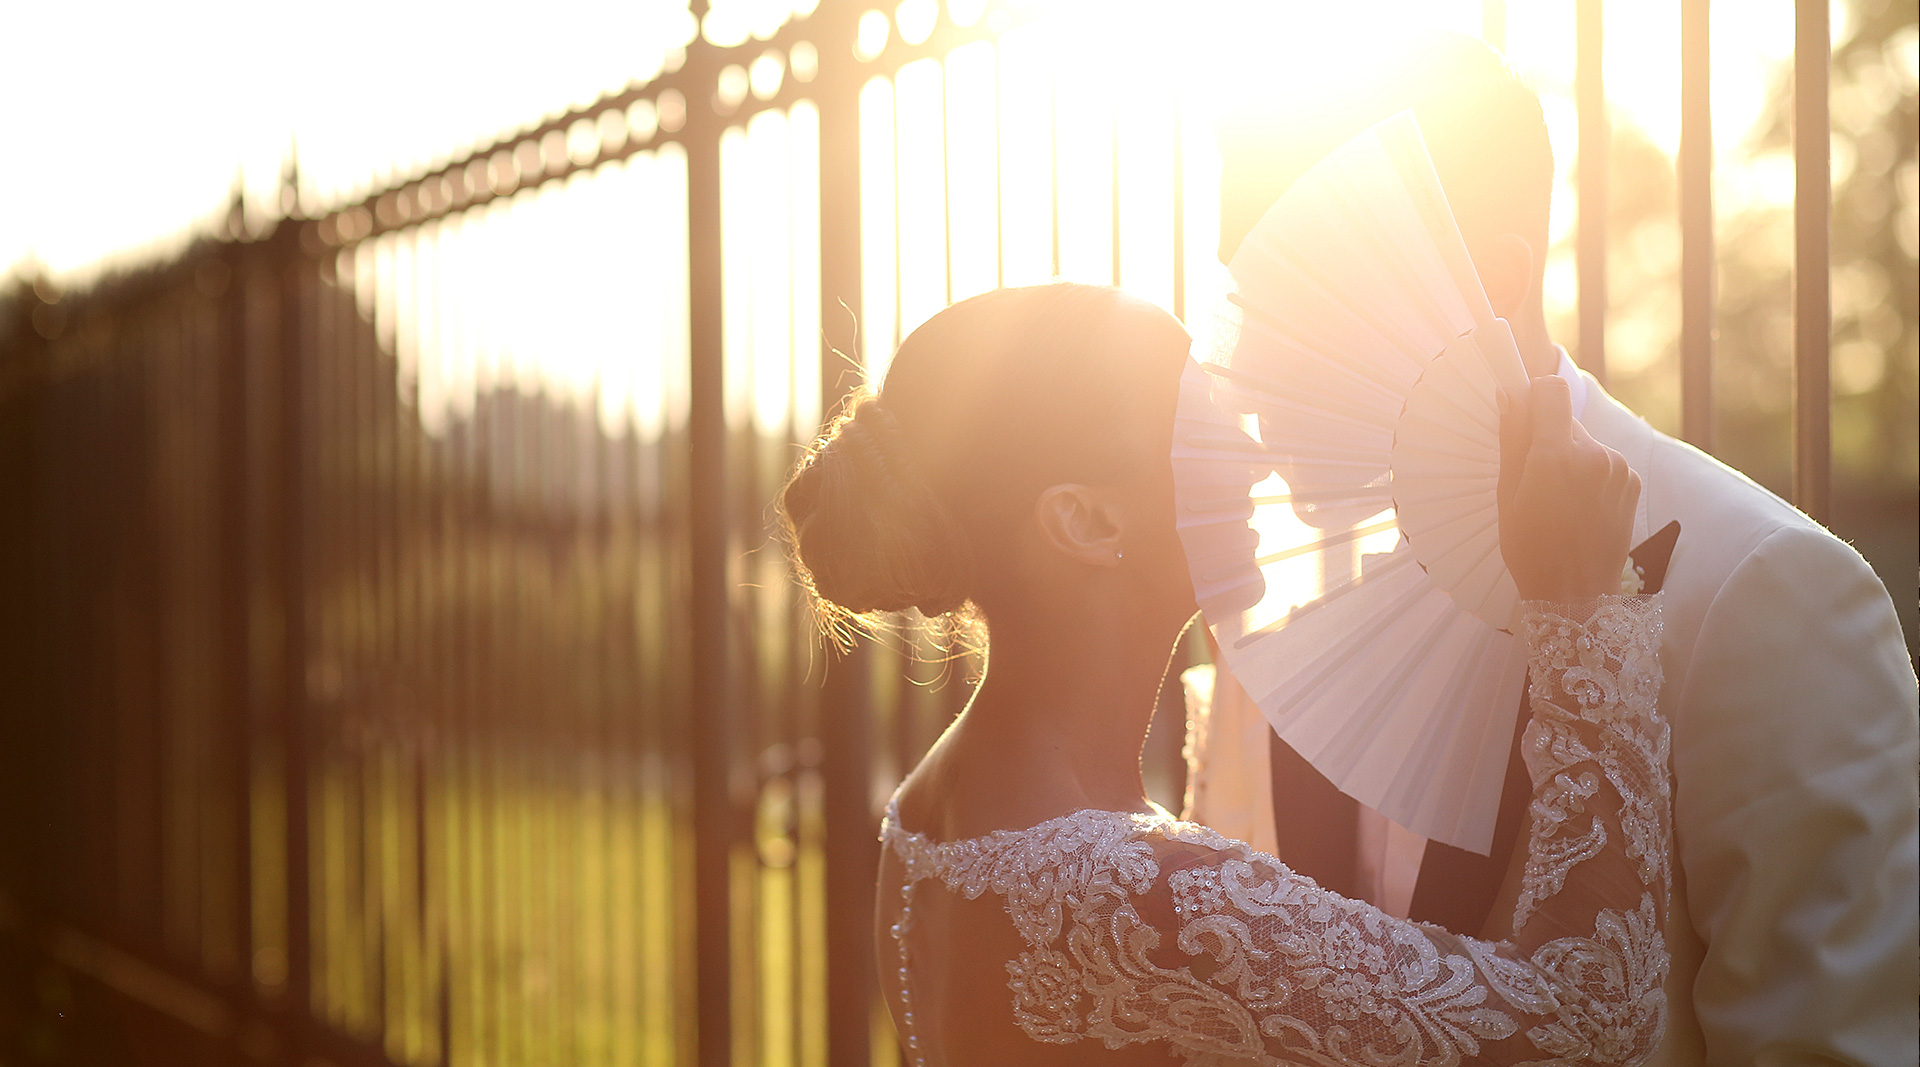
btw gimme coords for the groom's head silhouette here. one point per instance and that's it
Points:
(1483, 126)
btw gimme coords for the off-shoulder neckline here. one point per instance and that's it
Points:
(891, 826)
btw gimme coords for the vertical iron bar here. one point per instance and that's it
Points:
(1053, 171)
(893, 169)
(603, 733)
(424, 660)
(1113, 191)
(553, 719)
(179, 849)
(846, 711)
(1493, 23)
(374, 692)
(1595, 136)
(395, 709)
(525, 707)
(437, 761)
(319, 380)
(1179, 209)
(999, 183)
(464, 748)
(1696, 227)
(231, 494)
(946, 168)
(1812, 310)
(712, 731)
(293, 269)
(493, 1008)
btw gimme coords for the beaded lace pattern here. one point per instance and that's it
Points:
(1142, 928)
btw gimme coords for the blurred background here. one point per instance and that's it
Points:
(399, 670)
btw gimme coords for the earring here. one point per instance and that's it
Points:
(1118, 556)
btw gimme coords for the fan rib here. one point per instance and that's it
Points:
(1492, 547)
(1330, 666)
(1341, 538)
(1394, 680)
(1407, 152)
(1321, 408)
(1280, 333)
(1363, 207)
(1427, 422)
(1338, 456)
(1298, 393)
(1317, 496)
(1396, 561)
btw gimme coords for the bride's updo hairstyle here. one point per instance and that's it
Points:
(913, 494)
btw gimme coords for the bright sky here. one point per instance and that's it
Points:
(131, 120)
(139, 116)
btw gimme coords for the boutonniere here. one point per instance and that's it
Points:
(1631, 580)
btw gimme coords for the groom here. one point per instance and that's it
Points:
(1794, 930)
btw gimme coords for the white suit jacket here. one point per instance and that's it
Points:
(1795, 926)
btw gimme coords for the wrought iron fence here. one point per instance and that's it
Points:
(401, 670)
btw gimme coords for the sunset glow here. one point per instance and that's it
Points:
(1076, 144)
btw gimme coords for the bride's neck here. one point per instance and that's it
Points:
(1073, 696)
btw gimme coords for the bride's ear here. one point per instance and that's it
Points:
(1081, 523)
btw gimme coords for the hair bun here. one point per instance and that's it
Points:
(868, 534)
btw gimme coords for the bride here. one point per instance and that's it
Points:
(1035, 907)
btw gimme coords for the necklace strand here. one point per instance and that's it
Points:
(899, 930)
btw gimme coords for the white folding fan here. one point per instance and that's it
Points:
(1335, 464)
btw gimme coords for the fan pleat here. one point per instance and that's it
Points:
(1378, 573)
(1369, 214)
(1378, 495)
(1269, 345)
(1284, 414)
(1254, 390)
(1322, 454)
(1329, 541)
(1285, 686)
(1469, 417)
(1480, 668)
(1473, 550)
(1415, 464)
(1318, 309)
(1437, 512)
(1264, 326)
(1448, 536)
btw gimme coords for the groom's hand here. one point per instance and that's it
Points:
(1566, 500)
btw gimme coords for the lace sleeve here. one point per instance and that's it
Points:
(1230, 957)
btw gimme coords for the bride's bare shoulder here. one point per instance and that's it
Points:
(956, 795)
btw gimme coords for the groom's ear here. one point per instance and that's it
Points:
(1080, 523)
(1505, 264)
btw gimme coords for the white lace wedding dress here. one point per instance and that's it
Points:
(1123, 937)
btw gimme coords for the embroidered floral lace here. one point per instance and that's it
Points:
(1140, 928)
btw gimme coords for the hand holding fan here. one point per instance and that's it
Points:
(1335, 463)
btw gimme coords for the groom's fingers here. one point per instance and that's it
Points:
(1552, 411)
(1617, 474)
(1632, 496)
(1516, 434)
